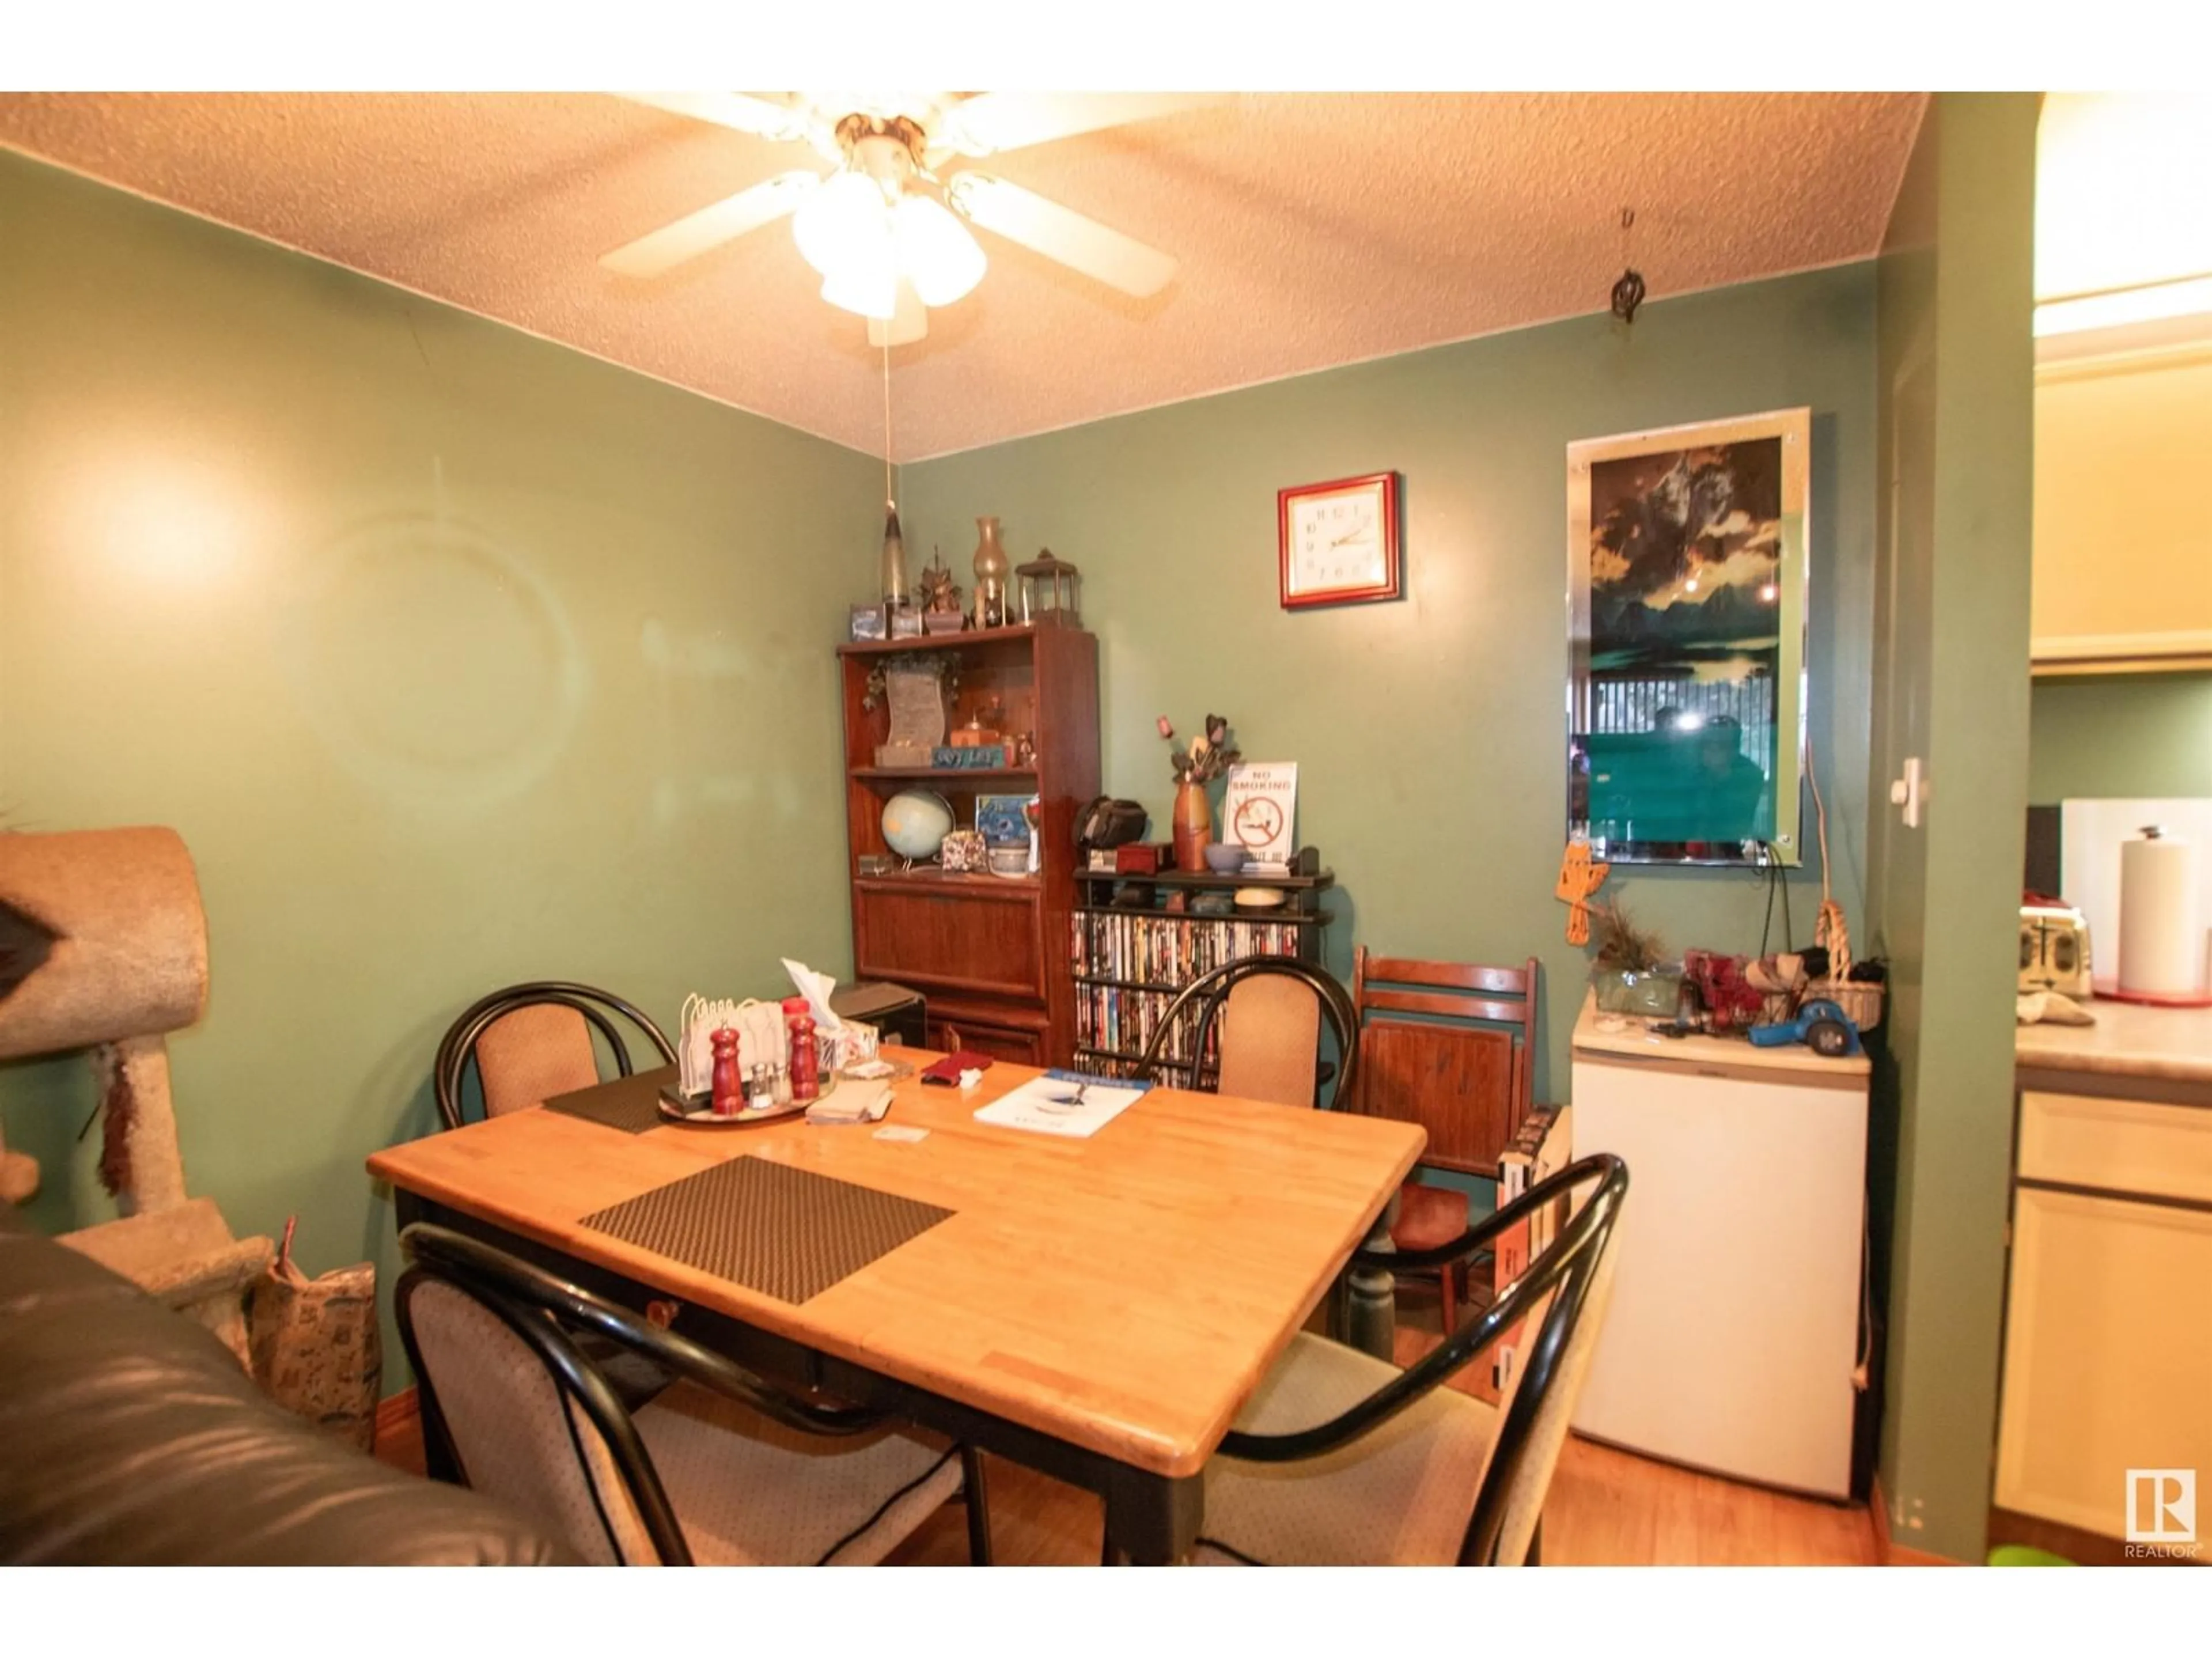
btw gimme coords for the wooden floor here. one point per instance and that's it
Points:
(1607, 1508)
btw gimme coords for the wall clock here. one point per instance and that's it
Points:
(1339, 541)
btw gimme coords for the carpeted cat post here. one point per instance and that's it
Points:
(103, 948)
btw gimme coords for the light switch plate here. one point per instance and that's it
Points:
(1911, 791)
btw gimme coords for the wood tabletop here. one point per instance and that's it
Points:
(1124, 1293)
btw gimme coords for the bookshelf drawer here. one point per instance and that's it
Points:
(970, 938)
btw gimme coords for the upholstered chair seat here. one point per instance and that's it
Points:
(751, 1492)
(1398, 1496)
(1342, 1459)
(723, 1477)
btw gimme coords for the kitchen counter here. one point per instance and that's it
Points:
(2129, 1039)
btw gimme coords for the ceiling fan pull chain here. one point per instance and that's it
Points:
(1628, 292)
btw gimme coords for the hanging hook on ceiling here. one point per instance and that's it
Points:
(1628, 292)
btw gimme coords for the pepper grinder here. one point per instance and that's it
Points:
(728, 1094)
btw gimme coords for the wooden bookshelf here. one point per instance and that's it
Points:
(987, 952)
(1130, 960)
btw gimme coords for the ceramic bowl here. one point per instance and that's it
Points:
(1224, 858)
(1010, 860)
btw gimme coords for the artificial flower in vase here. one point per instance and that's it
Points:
(1207, 757)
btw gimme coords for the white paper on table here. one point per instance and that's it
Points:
(1049, 1104)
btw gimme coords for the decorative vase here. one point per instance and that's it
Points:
(1194, 825)
(990, 575)
(897, 595)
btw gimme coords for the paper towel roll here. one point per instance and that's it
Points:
(2161, 948)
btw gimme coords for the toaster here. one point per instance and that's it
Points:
(2054, 949)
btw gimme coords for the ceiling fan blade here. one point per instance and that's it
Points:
(1058, 232)
(993, 121)
(710, 227)
(910, 319)
(741, 112)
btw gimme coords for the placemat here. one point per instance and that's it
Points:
(786, 1232)
(631, 1105)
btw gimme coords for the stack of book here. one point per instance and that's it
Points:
(1540, 1149)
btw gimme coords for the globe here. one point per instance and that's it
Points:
(916, 822)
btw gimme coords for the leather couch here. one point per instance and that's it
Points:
(130, 1436)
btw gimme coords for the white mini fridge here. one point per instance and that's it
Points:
(1734, 1331)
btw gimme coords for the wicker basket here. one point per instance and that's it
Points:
(1860, 999)
(1861, 1002)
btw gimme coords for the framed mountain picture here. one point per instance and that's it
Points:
(1686, 579)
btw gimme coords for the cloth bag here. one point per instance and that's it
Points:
(316, 1345)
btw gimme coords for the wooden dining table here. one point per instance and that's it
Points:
(1099, 1309)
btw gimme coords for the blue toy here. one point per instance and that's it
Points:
(1821, 1025)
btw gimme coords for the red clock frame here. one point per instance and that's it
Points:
(1393, 583)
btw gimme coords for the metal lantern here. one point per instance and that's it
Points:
(1051, 590)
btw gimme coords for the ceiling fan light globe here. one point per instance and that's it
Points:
(842, 222)
(867, 288)
(935, 251)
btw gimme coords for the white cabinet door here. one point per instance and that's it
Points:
(1734, 1328)
(2113, 589)
(2108, 1353)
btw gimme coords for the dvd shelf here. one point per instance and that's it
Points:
(1136, 943)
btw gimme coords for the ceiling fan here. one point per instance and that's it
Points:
(888, 226)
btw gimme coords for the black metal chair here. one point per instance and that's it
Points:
(1340, 1458)
(541, 1036)
(723, 1468)
(1269, 1041)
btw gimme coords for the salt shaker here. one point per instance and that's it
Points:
(763, 1095)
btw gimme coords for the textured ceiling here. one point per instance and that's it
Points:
(1314, 229)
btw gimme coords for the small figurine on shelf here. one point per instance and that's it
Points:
(940, 598)
(1024, 750)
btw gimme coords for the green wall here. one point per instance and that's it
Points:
(2120, 734)
(1951, 686)
(1430, 734)
(457, 658)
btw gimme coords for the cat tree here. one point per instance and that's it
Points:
(103, 948)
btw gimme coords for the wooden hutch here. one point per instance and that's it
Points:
(990, 953)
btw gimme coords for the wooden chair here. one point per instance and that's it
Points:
(1450, 1045)
(532, 1041)
(1341, 1459)
(1270, 1011)
(721, 1469)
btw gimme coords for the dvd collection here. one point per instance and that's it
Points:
(1158, 956)
(1173, 951)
